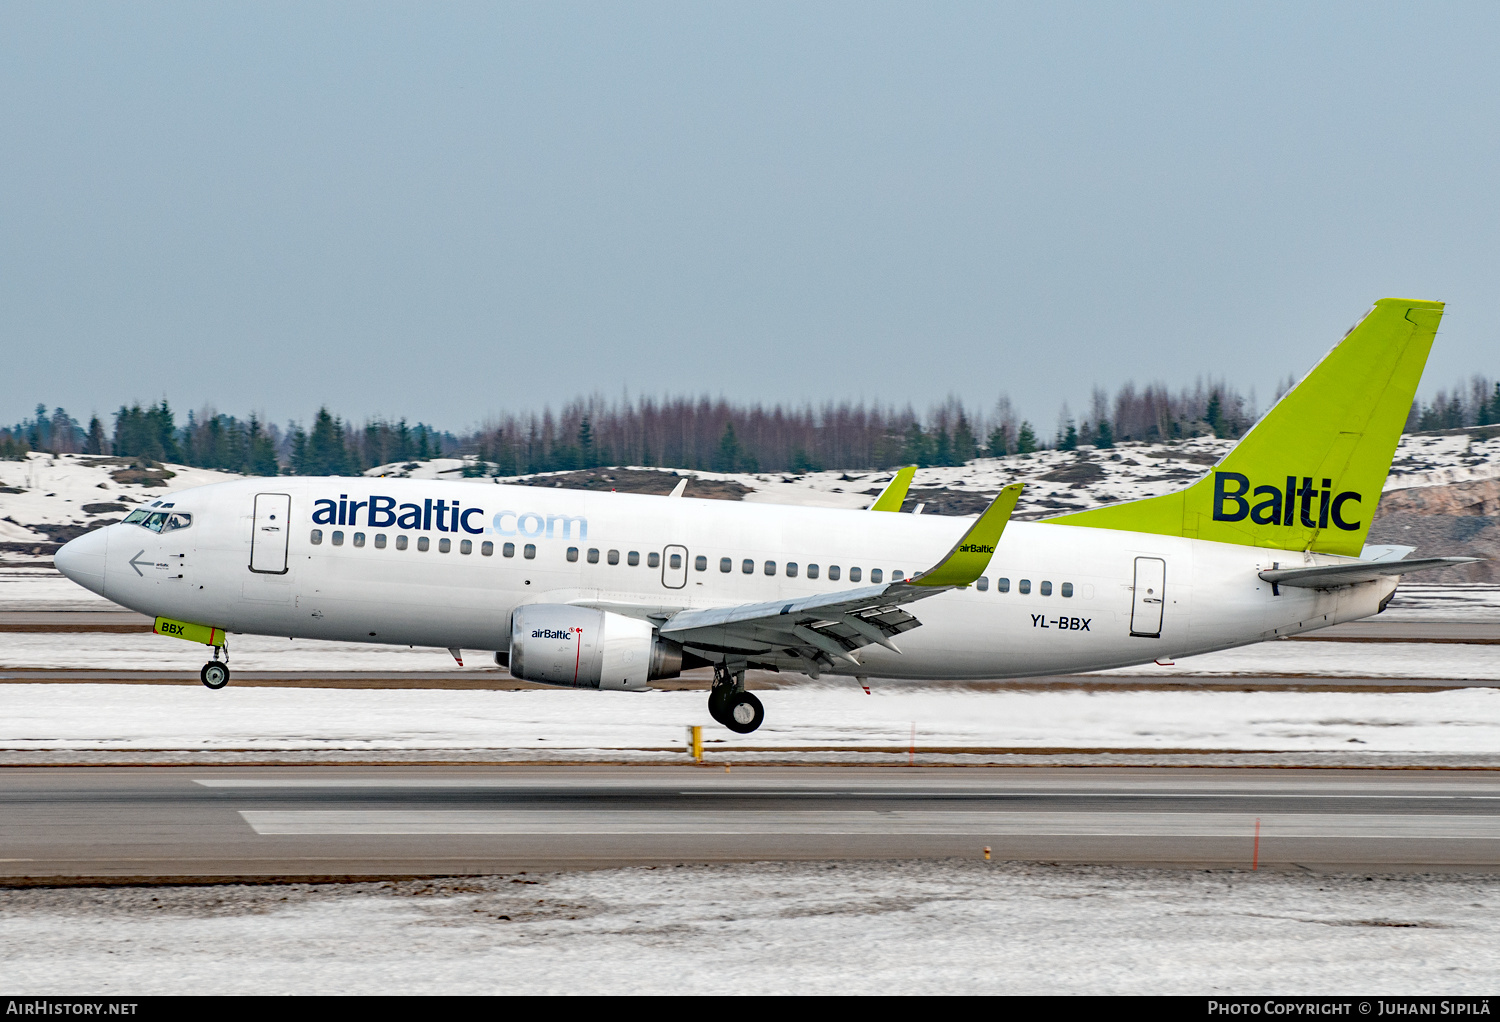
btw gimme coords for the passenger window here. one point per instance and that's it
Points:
(508, 550)
(725, 564)
(876, 575)
(466, 546)
(770, 568)
(633, 558)
(401, 542)
(423, 543)
(444, 545)
(593, 555)
(1002, 585)
(747, 566)
(1067, 588)
(359, 539)
(653, 560)
(572, 553)
(614, 557)
(338, 538)
(833, 573)
(316, 537)
(178, 521)
(983, 584)
(487, 549)
(855, 574)
(700, 563)
(897, 576)
(674, 561)
(1024, 586)
(812, 571)
(1046, 588)
(379, 541)
(529, 552)
(791, 569)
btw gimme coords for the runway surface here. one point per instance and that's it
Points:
(215, 823)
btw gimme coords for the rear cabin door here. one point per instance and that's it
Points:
(1150, 589)
(674, 567)
(268, 540)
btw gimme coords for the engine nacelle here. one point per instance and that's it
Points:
(578, 647)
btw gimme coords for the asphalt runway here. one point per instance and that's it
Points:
(66, 824)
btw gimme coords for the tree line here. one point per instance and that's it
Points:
(691, 433)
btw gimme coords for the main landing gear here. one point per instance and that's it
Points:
(730, 704)
(214, 674)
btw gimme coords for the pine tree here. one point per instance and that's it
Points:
(96, 439)
(965, 449)
(1104, 438)
(998, 445)
(1067, 439)
(727, 458)
(1026, 439)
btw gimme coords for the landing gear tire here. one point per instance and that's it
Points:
(717, 698)
(214, 674)
(743, 713)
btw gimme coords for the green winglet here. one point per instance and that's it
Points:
(891, 497)
(971, 555)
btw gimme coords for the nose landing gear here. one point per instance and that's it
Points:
(729, 703)
(215, 674)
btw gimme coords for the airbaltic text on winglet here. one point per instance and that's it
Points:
(382, 512)
(976, 548)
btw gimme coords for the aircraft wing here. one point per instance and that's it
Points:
(831, 626)
(1330, 576)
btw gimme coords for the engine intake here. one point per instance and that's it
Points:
(578, 647)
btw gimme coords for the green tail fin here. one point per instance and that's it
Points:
(1309, 474)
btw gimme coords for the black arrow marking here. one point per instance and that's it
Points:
(136, 566)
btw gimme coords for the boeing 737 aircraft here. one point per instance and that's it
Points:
(612, 591)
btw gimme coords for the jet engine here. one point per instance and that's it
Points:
(578, 647)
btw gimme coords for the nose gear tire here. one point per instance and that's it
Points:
(214, 674)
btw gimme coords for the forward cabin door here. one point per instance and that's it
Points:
(1150, 589)
(674, 567)
(268, 540)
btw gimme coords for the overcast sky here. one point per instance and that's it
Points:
(441, 211)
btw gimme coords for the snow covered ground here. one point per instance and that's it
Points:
(75, 491)
(805, 722)
(947, 927)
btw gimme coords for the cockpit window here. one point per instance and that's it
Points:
(177, 520)
(157, 520)
(137, 516)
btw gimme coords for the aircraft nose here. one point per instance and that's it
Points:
(82, 559)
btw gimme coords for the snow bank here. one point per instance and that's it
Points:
(948, 927)
(540, 724)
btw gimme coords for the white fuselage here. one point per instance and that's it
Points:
(353, 587)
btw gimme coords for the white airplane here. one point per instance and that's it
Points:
(612, 591)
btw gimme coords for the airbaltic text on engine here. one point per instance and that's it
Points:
(381, 512)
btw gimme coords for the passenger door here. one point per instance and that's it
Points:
(674, 567)
(270, 533)
(1150, 593)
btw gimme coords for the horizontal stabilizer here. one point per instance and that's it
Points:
(1330, 576)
